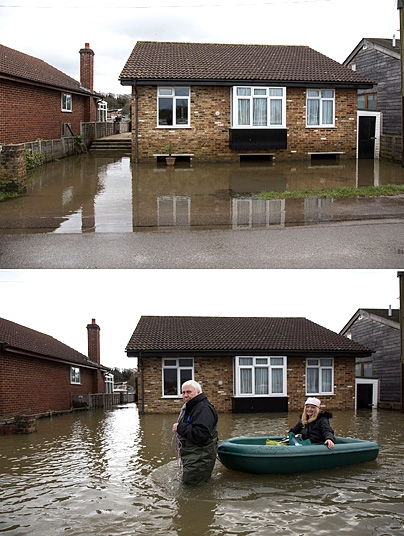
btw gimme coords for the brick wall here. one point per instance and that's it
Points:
(38, 385)
(13, 172)
(28, 112)
(215, 374)
(208, 136)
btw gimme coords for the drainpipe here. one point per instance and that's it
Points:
(400, 275)
(142, 379)
(136, 123)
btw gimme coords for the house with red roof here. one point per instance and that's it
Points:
(378, 376)
(223, 102)
(244, 364)
(41, 374)
(38, 101)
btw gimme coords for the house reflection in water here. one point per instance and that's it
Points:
(106, 194)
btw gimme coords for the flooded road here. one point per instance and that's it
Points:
(116, 473)
(99, 194)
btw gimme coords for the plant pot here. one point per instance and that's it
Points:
(170, 160)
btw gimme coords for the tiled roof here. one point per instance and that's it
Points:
(233, 334)
(28, 340)
(19, 66)
(158, 61)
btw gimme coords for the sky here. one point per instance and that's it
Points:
(61, 303)
(55, 31)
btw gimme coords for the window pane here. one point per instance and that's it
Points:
(327, 94)
(312, 362)
(181, 111)
(276, 92)
(261, 361)
(313, 112)
(326, 377)
(185, 375)
(170, 382)
(245, 381)
(326, 362)
(261, 381)
(277, 361)
(276, 112)
(165, 91)
(259, 112)
(182, 92)
(367, 370)
(170, 362)
(165, 111)
(260, 91)
(243, 112)
(372, 102)
(361, 102)
(185, 362)
(246, 361)
(277, 380)
(313, 93)
(328, 112)
(312, 380)
(244, 91)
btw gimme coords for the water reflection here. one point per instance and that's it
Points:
(116, 473)
(87, 194)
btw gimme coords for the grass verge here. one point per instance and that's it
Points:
(363, 191)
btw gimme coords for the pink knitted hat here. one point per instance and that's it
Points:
(313, 402)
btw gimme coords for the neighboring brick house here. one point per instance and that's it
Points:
(245, 365)
(379, 106)
(39, 373)
(221, 102)
(378, 376)
(37, 101)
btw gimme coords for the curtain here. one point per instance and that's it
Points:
(328, 112)
(276, 112)
(312, 380)
(260, 112)
(313, 111)
(261, 381)
(277, 381)
(245, 381)
(243, 112)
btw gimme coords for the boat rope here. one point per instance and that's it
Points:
(176, 447)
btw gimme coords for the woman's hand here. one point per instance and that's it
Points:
(175, 426)
(329, 443)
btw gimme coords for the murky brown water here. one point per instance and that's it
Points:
(116, 473)
(87, 194)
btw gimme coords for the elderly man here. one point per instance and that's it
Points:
(197, 431)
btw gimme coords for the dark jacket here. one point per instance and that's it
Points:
(317, 431)
(197, 430)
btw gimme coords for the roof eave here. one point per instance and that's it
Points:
(237, 352)
(82, 92)
(256, 82)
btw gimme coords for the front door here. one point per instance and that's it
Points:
(367, 130)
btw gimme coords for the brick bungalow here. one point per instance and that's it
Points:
(222, 102)
(245, 365)
(378, 376)
(39, 373)
(37, 101)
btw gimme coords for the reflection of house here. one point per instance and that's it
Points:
(245, 365)
(234, 102)
(40, 374)
(379, 375)
(44, 102)
(379, 59)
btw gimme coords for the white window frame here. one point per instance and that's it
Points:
(257, 362)
(259, 92)
(321, 364)
(322, 99)
(173, 93)
(184, 369)
(67, 102)
(75, 377)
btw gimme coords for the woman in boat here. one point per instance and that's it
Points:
(314, 424)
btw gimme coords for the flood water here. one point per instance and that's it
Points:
(116, 473)
(87, 194)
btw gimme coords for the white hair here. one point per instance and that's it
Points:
(195, 385)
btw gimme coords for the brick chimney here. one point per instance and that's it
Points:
(87, 67)
(93, 335)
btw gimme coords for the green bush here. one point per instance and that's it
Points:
(33, 160)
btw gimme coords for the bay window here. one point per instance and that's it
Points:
(173, 106)
(176, 371)
(260, 376)
(255, 107)
(320, 105)
(319, 376)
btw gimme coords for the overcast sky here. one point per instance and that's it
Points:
(61, 303)
(54, 31)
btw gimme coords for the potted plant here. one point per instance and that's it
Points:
(170, 160)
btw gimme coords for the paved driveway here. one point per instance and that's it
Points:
(365, 244)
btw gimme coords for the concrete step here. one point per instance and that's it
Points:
(108, 145)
